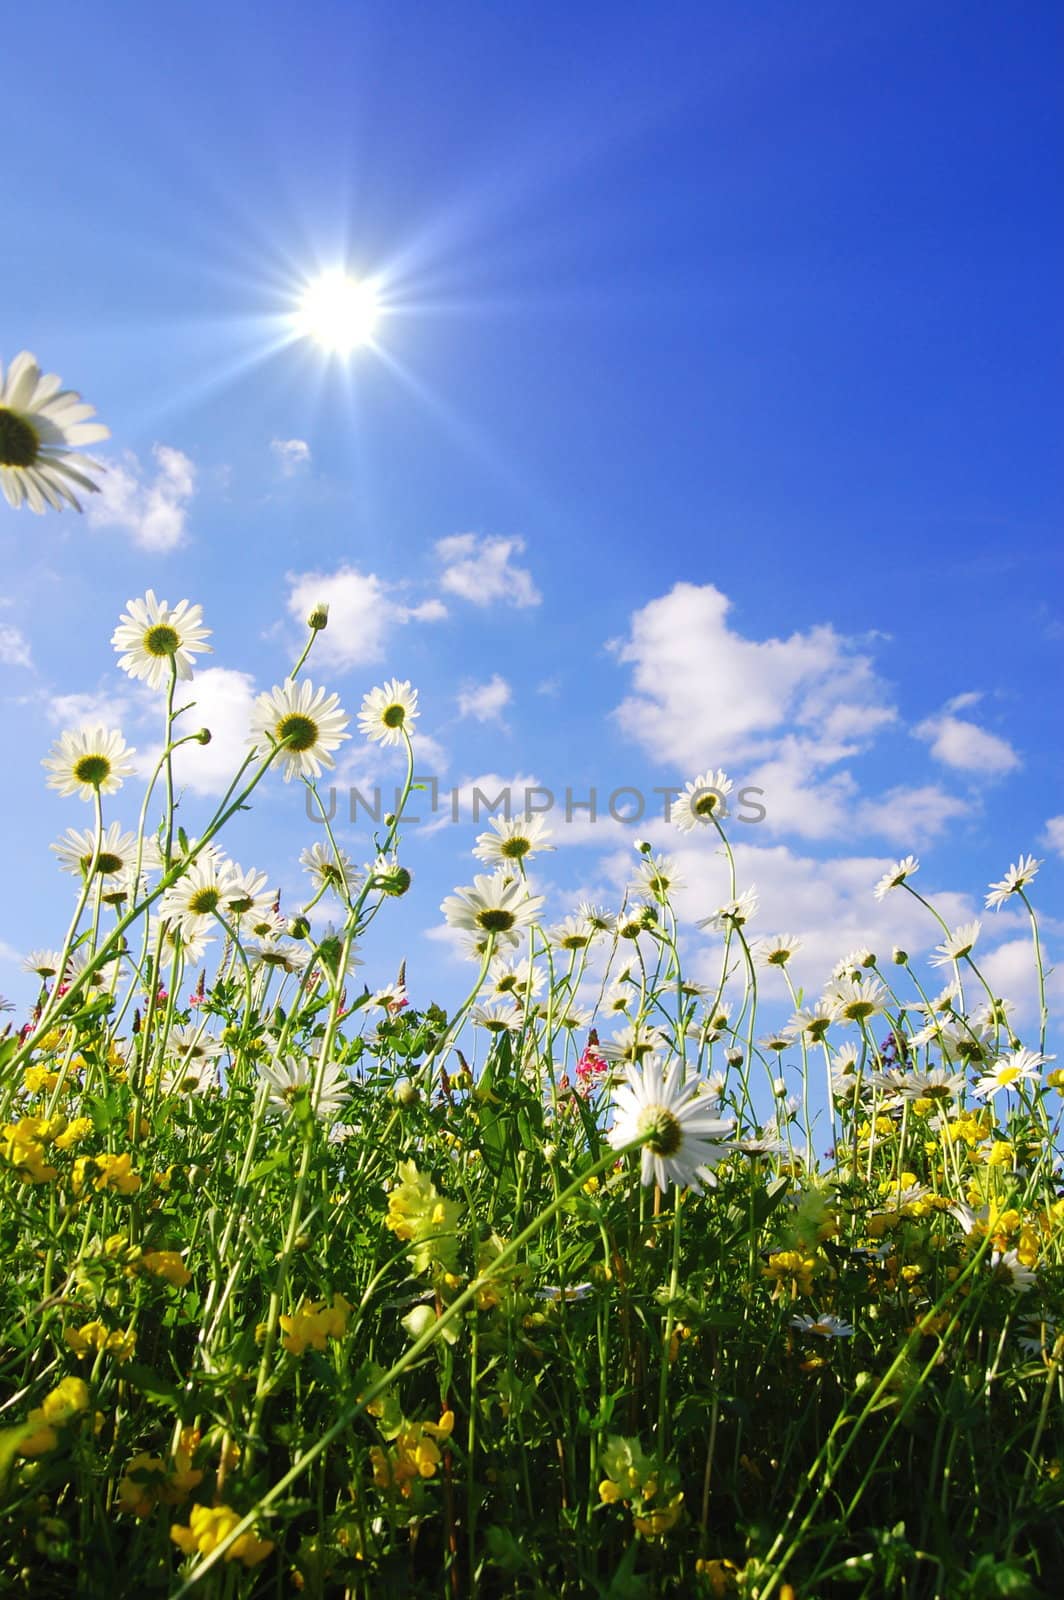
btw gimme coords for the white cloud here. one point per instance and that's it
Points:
(362, 613)
(291, 455)
(223, 700)
(705, 694)
(964, 745)
(781, 714)
(14, 646)
(911, 816)
(485, 701)
(1012, 974)
(1054, 834)
(481, 570)
(152, 511)
(828, 904)
(99, 710)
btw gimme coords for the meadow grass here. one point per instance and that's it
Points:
(297, 1301)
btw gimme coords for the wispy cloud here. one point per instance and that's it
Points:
(961, 744)
(362, 613)
(14, 646)
(291, 455)
(485, 701)
(151, 508)
(482, 570)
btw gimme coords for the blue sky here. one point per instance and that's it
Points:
(729, 337)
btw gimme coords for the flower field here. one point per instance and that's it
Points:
(313, 1289)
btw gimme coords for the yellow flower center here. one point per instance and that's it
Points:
(663, 1132)
(298, 733)
(162, 640)
(19, 444)
(92, 769)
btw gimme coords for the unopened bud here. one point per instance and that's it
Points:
(298, 927)
(405, 1092)
(900, 958)
(203, 736)
(319, 617)
(733, 1057)
(644, 847)
(550, 1153)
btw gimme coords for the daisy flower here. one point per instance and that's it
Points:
(331, 869)
(937, 1083)
(960, 943)
(246, 894)
(734, 914)
(118, 851)
(388, 713)
(597, 918)
(191, 1062)
(851, 965)
(681, 1138)
(856, 999)
(1019, 1066)
(514, 840)
(45, 963)
(185, 941)
(517, 978)
(812, 1022)
(158, 641)
(896, 876)
(618, 997)
(657, 875)
(1009, 1270)
(388, 875)
(292, 1076)
(702, 799)
(329, 950)
(571, 934)
(41, 427)
(1016, 878)
(306, 720)
(278, 954)
(196, 898)
(497, 1016)
(87, 761)
(825, 1326)
(499, 905)
(633, 1042)
(778, 951)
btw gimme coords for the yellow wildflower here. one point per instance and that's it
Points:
(209, 1526)
(417, 1213)
(413, 1454)
(312, 1323)
(721, 1576)
(74, 1132)
(169, 1265)
(797, 1267)
(39, 1077)
(95, 1336)
(67, 1400)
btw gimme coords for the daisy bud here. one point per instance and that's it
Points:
(900, 958)
(203, 736)
(298, 928)
(779, 1087)
(733, 1057)
(644, 847)
(405, 1092)
(550, 1153)
(319, 617)
(394, 880)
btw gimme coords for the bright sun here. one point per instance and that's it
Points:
(338, 311)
